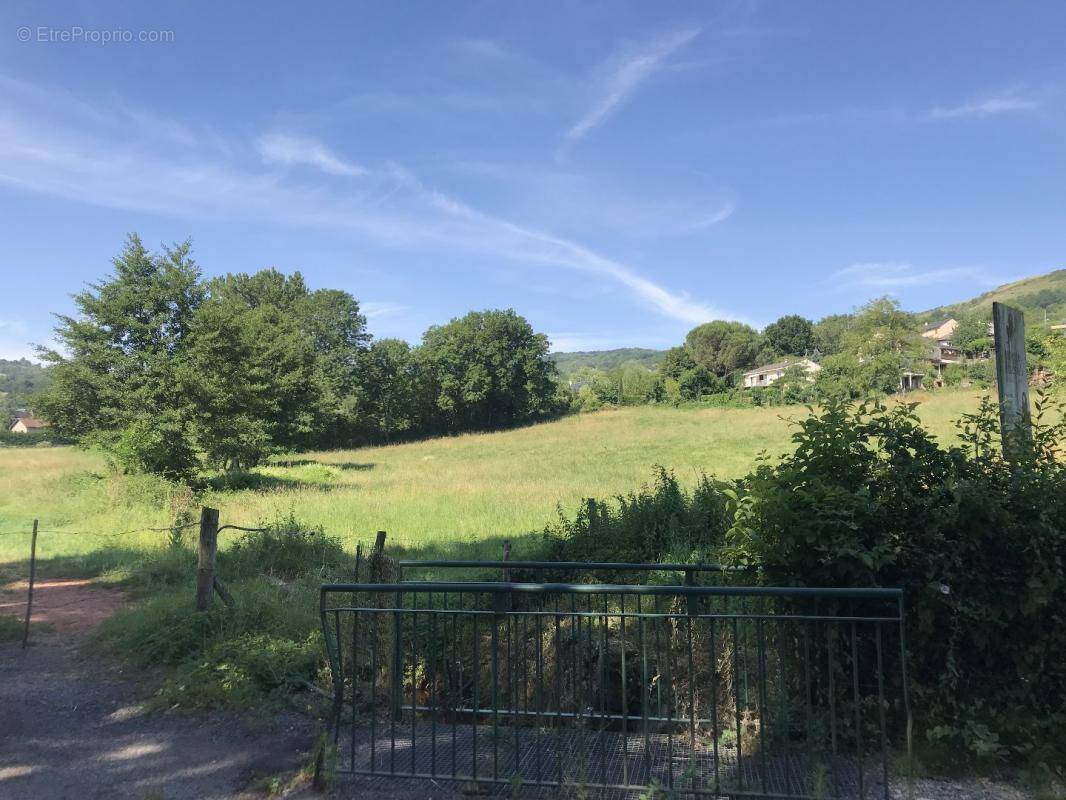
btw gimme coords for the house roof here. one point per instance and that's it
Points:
(780, 365)
(932, 326)
(31, 422)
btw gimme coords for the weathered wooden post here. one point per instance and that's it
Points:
(506, 557)
(1012, 378)
(29, 595)
(205, 568)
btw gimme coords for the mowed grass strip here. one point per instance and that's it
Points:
(453, 495)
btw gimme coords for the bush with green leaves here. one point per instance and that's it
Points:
(869, 498)
(655, 523)
(285, 549)
(263, 649)
(245, 671)
(32, 439)
(978, 543)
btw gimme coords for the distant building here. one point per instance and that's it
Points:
(940, 331)
(27, 424)
(909, 381)
(944, 353)
(764, 376)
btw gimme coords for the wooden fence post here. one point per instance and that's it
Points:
(506, 557)
(29, 595)
(205, 568)
(1012, 378)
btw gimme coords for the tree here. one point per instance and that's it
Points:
(676, 361)
(791, 335)
(249, 378)
(881, 326)
(829, 333)
(722, 346)
(845, 375)
(115, 386)
(387, 400)
(335, 332)
(487, 370)
(337, 329)
(971, 334)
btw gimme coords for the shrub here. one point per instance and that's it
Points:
(869, 498)
(242, 671)
(656, 523)
(38, 438)
(285, 549)
(264, 648)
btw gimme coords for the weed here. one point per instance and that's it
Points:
(10, 628)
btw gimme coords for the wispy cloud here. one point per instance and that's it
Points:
(624, 73)
(715, 218)
(889, 275)
(285, 150)
(388, 204)
(372, 309)
(1010, 101)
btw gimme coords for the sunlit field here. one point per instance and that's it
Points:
(452, 495)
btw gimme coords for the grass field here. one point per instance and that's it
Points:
(454, 495)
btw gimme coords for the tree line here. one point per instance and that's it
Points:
(171, 372)
(860, 354)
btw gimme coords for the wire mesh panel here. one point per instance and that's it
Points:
(711, 691)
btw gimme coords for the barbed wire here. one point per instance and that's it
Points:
(239, 528)
(171, 529)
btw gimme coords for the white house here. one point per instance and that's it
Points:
(764, 376)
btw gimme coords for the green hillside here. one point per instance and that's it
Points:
(569, 363)
(1034, 296)
(18, 381)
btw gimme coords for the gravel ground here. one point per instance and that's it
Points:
(71, 725)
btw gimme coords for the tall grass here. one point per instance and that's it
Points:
(460, 494)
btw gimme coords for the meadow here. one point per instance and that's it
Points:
(458, 495)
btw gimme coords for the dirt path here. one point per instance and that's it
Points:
(71, 726)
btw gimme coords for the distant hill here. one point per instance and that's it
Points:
(18, 380)
(1034, 296)
(569, 363)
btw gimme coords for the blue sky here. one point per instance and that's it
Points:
(616, 172)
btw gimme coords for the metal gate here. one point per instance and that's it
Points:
(707, 691)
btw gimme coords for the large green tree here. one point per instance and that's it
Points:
(113, 378)
(250, 380)
(830, 332)
(791, 335)
(721, 346)
(971, 334)
(881, 326)
(390, 399)
(487, 370)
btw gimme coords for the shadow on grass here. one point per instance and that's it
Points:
(116, 564)
(343, 465)
(258, 481)
(145, 569)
